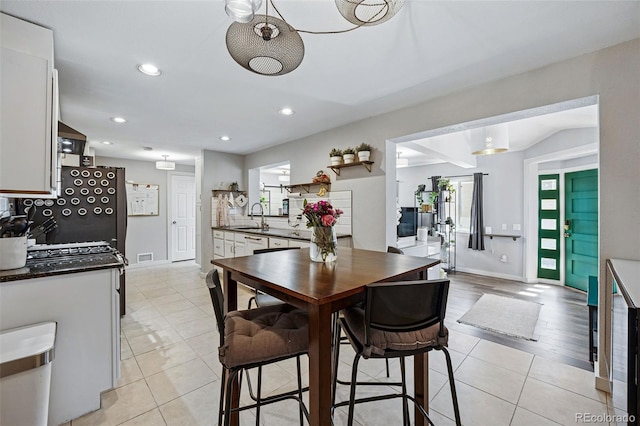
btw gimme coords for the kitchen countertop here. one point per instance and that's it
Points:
(408, 242)
(303, 235)
(37, 268)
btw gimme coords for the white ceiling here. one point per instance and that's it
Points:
(429, 49)
(521, 134)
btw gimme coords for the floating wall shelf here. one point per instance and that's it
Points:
(306, 187)
(365, 164)
(502, 236)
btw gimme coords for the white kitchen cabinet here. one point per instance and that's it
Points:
(278, 242)
(86, 306)
(229, 248)
(233, 243)
(240, 247)
(255, 242)
(301, 244)
(218, 244)
(28, 111)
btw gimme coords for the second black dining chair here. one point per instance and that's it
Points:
(399, 319)
(255, 338)
(262, 299)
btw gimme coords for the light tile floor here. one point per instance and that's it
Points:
(171, 373)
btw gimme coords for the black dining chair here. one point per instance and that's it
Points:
(255, 338)
(262, 299)
(392, 249)
(344, 340)
(399, 319)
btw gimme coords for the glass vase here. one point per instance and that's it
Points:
(324, 244)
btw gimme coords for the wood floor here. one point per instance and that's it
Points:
(563, 324)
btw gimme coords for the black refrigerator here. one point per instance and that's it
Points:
(92, 206)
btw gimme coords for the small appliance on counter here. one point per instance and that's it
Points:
(423, 233)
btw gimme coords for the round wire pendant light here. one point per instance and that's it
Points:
(265, 45)
(368, 12)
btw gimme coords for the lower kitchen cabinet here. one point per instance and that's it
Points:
(255, 243)
(86, 308)
(234, 244)
(278, 243)
(218, 244)
(301, 244)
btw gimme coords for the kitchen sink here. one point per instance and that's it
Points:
(247, 227)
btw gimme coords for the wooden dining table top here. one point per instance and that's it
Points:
(322, 289)
(291, 272)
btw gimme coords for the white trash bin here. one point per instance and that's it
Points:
(26, 354)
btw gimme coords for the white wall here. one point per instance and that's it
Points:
(503, 198)
(502, 205)
(146, 234)
(216, 170)
(611, 74)
(311, 154)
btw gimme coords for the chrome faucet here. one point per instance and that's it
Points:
(263, 223)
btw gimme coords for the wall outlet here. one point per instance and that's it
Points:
(504, 226)
(487, 230)
(516, 226)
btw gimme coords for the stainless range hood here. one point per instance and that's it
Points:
(70, 141)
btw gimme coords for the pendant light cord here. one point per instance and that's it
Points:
(292, 28)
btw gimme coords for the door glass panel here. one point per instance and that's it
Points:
(549, 184)
(548, 224)
(546, 263)
(548, 244)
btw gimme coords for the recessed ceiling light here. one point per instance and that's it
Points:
(119, 120)
(66, 142)
(107, 143)
(225, 138)
(149, 69)
(67, 150)
(286, 111)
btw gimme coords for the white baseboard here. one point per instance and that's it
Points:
(146, 264)
(491, 274)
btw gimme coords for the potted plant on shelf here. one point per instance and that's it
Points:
(364, 151)
(348, 155)
(335, 156)
(445, 184)
(433, 200)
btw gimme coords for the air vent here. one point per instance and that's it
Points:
(145, 257)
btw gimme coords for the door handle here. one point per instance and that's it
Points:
(174, 222)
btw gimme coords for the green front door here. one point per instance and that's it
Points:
(581, 227)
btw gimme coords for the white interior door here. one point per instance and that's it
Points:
(183, 218)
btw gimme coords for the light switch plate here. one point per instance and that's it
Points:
(487, 230)
(504, 226)
(516, 226)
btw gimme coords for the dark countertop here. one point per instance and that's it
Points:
(37, 268)
(303, 235)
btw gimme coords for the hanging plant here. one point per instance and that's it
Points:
(445, 184)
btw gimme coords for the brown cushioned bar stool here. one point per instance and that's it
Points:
(252, 339)
(399, 319)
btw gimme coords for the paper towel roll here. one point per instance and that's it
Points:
(423, 234)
